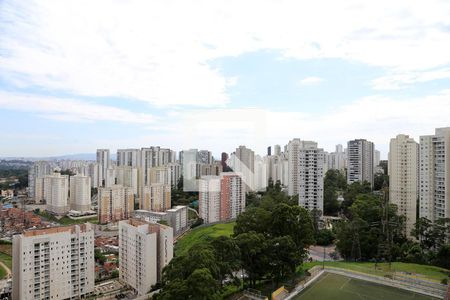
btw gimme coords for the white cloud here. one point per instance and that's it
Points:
(375, 118)
(159, 51)
(313, 80)
(64, 109)
(403, 80)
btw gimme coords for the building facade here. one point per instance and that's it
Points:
(115, 203)
(54, 263)
(56, 193)
(144, 250)
(155, 197)
(434, 198)
(403, 170)
(306, 162)
(360, 166)
(104, 161)
(80, 193)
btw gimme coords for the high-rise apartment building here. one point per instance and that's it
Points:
(54, 263)
(155, 197)
(115, 203)
(128, 157)
(93, 172)
(376, 158)
(36, 172)
(127, 176)
(103, 159)
(244, 163)
(306, 163)
(80, 193)
(434, 198)
(175, 173)
(221, 197)
(56, 193)
(144, 250)
(360, 154)
(403, 170)
(209, 199)
(232, 196)
(337, 160)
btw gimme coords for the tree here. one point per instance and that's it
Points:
(353, 190)
(324, 237)
(253, 219)
(252, 246)
(443, 256)
(283, 257)
(202, 285)
(379, 180)
(227, 256)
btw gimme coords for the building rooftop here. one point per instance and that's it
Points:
(53, 230)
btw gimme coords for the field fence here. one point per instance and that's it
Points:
(398, 281)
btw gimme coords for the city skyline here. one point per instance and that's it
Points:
(218, 75)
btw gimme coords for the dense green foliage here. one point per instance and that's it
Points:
(20, 174)
(334, 183)
(270, 240)
(180, 197)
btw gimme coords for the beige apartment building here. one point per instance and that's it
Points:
(156, 197)
(144, 250)
(115, 203)
(403, 169)
(434, 194)
(54, 263)
(80, 193)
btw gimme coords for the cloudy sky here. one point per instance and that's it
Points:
(80, 75)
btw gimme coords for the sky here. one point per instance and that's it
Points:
(80, 75)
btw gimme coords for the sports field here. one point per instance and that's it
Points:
(338, 287)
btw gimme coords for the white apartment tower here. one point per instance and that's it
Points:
(306, 163)
(337, 160)
(434, 198)
(103, 159)
(244, 163)
(403, 169)
(360, 154)
(209, 198)
(80, 193)
(36, 172)
(54, 263)
(127, 176)
(56, 193)
(144, 250)
(128, 157)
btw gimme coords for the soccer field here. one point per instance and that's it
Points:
(338, 287)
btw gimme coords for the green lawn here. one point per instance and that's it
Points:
(7, 260)
(420, 271)
(201, 234)
(338, 287)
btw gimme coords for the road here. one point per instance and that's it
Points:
(316, 253)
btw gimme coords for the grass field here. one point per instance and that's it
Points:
(7, 260)
(201, 234)
(337, 287)
(426, 272)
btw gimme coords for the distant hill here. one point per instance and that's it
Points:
(77, 156)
